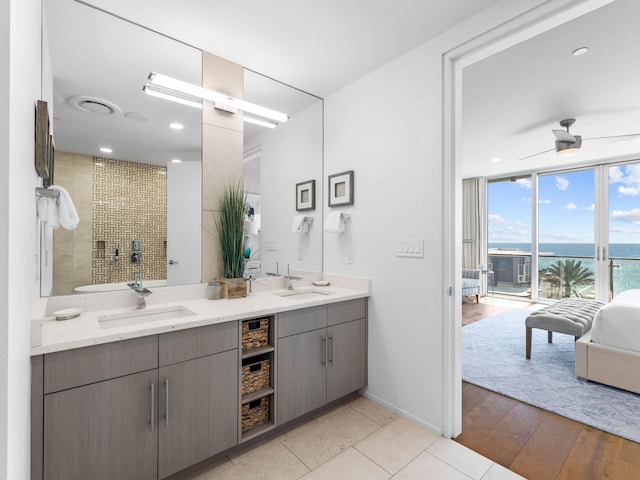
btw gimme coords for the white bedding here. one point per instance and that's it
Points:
(617, 324)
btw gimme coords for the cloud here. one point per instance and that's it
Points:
(524, 182)
(494, 217)
(629, 216)
(591, 207)
(519, 224)
(544, 201)
(526, 199)
(562, 183)
(508, 229)
(616, 175)
(570, 206)
(629, 191)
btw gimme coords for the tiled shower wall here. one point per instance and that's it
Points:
(117, 202)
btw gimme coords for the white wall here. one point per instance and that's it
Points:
(388, 128)
(19, 87)
(290, 154)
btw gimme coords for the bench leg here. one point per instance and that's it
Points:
(477, 299)
(528, 343)
(549, 336)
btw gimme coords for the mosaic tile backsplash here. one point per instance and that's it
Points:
(117, 202)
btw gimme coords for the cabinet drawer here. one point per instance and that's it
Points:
(346, 311)
(299, 321)
(197, 342)
(81, 366)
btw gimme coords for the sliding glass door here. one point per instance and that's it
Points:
(566, 235)
(572, 233)
(621, 260)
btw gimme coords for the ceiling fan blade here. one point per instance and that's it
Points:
(563, 136)
(627, 137)
(536, 154)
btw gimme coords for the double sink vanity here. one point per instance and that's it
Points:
(121, 392)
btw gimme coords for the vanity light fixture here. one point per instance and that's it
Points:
(152, 91)
(176, 160)
(174, 87)
(262, 123)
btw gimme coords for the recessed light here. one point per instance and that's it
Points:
(580, 51)
(176, 160)
(495, 160)
(176, 126)
(106, 150)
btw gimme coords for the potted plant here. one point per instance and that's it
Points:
(230, 226)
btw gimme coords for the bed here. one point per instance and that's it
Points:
(609, 353)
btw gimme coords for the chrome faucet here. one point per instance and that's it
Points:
(141, 292)
(289, 278)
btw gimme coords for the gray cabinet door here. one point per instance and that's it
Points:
(346, 365)
(202, 409)
(102, 430)
(302, 376)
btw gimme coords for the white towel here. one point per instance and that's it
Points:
(67, 214)
(334, 223)
(298, 223)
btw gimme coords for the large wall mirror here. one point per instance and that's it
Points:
(140, 209)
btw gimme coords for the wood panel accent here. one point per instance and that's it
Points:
(37, 416)
(542, 445)
(197, 342)
(346, 311)
(303, 320)
(81, 366)
(101, 431)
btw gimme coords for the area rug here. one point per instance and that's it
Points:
(493, 357)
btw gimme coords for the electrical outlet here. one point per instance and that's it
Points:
(351, 256)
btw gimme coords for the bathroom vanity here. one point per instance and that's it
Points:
(147, 399)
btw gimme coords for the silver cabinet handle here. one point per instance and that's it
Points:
(173, 262)
(604, 253)
(324, 351)
(153, 394)
(331, 350)
(166, 402)
(597, 254)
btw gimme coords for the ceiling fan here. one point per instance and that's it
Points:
(568, 143)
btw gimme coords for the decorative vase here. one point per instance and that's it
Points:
(233, 287)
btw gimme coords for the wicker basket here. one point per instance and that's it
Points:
(255, 413)
(255, 334)
(255, 374)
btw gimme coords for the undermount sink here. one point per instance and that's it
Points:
(143, 316)
(300, 294)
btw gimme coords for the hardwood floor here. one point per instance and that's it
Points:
(532, 442)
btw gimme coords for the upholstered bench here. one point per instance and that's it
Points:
(572, 316)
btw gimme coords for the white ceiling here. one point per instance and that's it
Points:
(512, 100)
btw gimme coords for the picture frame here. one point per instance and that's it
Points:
(41, 147)
(341, 189)
(306, 195)
(48, 181)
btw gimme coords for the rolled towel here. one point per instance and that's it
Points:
(53, 219)
(334, 223)
(67, 214)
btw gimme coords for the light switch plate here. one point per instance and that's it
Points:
(410, 247)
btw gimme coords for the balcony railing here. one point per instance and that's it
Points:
(512, 275)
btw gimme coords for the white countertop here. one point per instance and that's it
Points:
(50, 335)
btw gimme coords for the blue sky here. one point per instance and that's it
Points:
(566, 207)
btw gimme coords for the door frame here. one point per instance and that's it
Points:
(545, 16)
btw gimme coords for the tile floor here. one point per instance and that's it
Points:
(358, 440)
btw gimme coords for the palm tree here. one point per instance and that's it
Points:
(567, 274)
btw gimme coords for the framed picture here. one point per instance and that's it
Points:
(41, 160)
(48, 181)
(306, 195)
(341, 189)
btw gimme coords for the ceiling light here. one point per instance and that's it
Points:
(262, 123)
(176, 160)
(106, 150)
(580, 51)
(195, 91)
(149, 90)
(176, 126)
(495, 160)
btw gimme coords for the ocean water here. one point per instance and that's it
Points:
(626, 276)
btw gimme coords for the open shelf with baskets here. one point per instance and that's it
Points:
(257, 387)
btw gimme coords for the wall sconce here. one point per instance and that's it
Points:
(176, 90)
